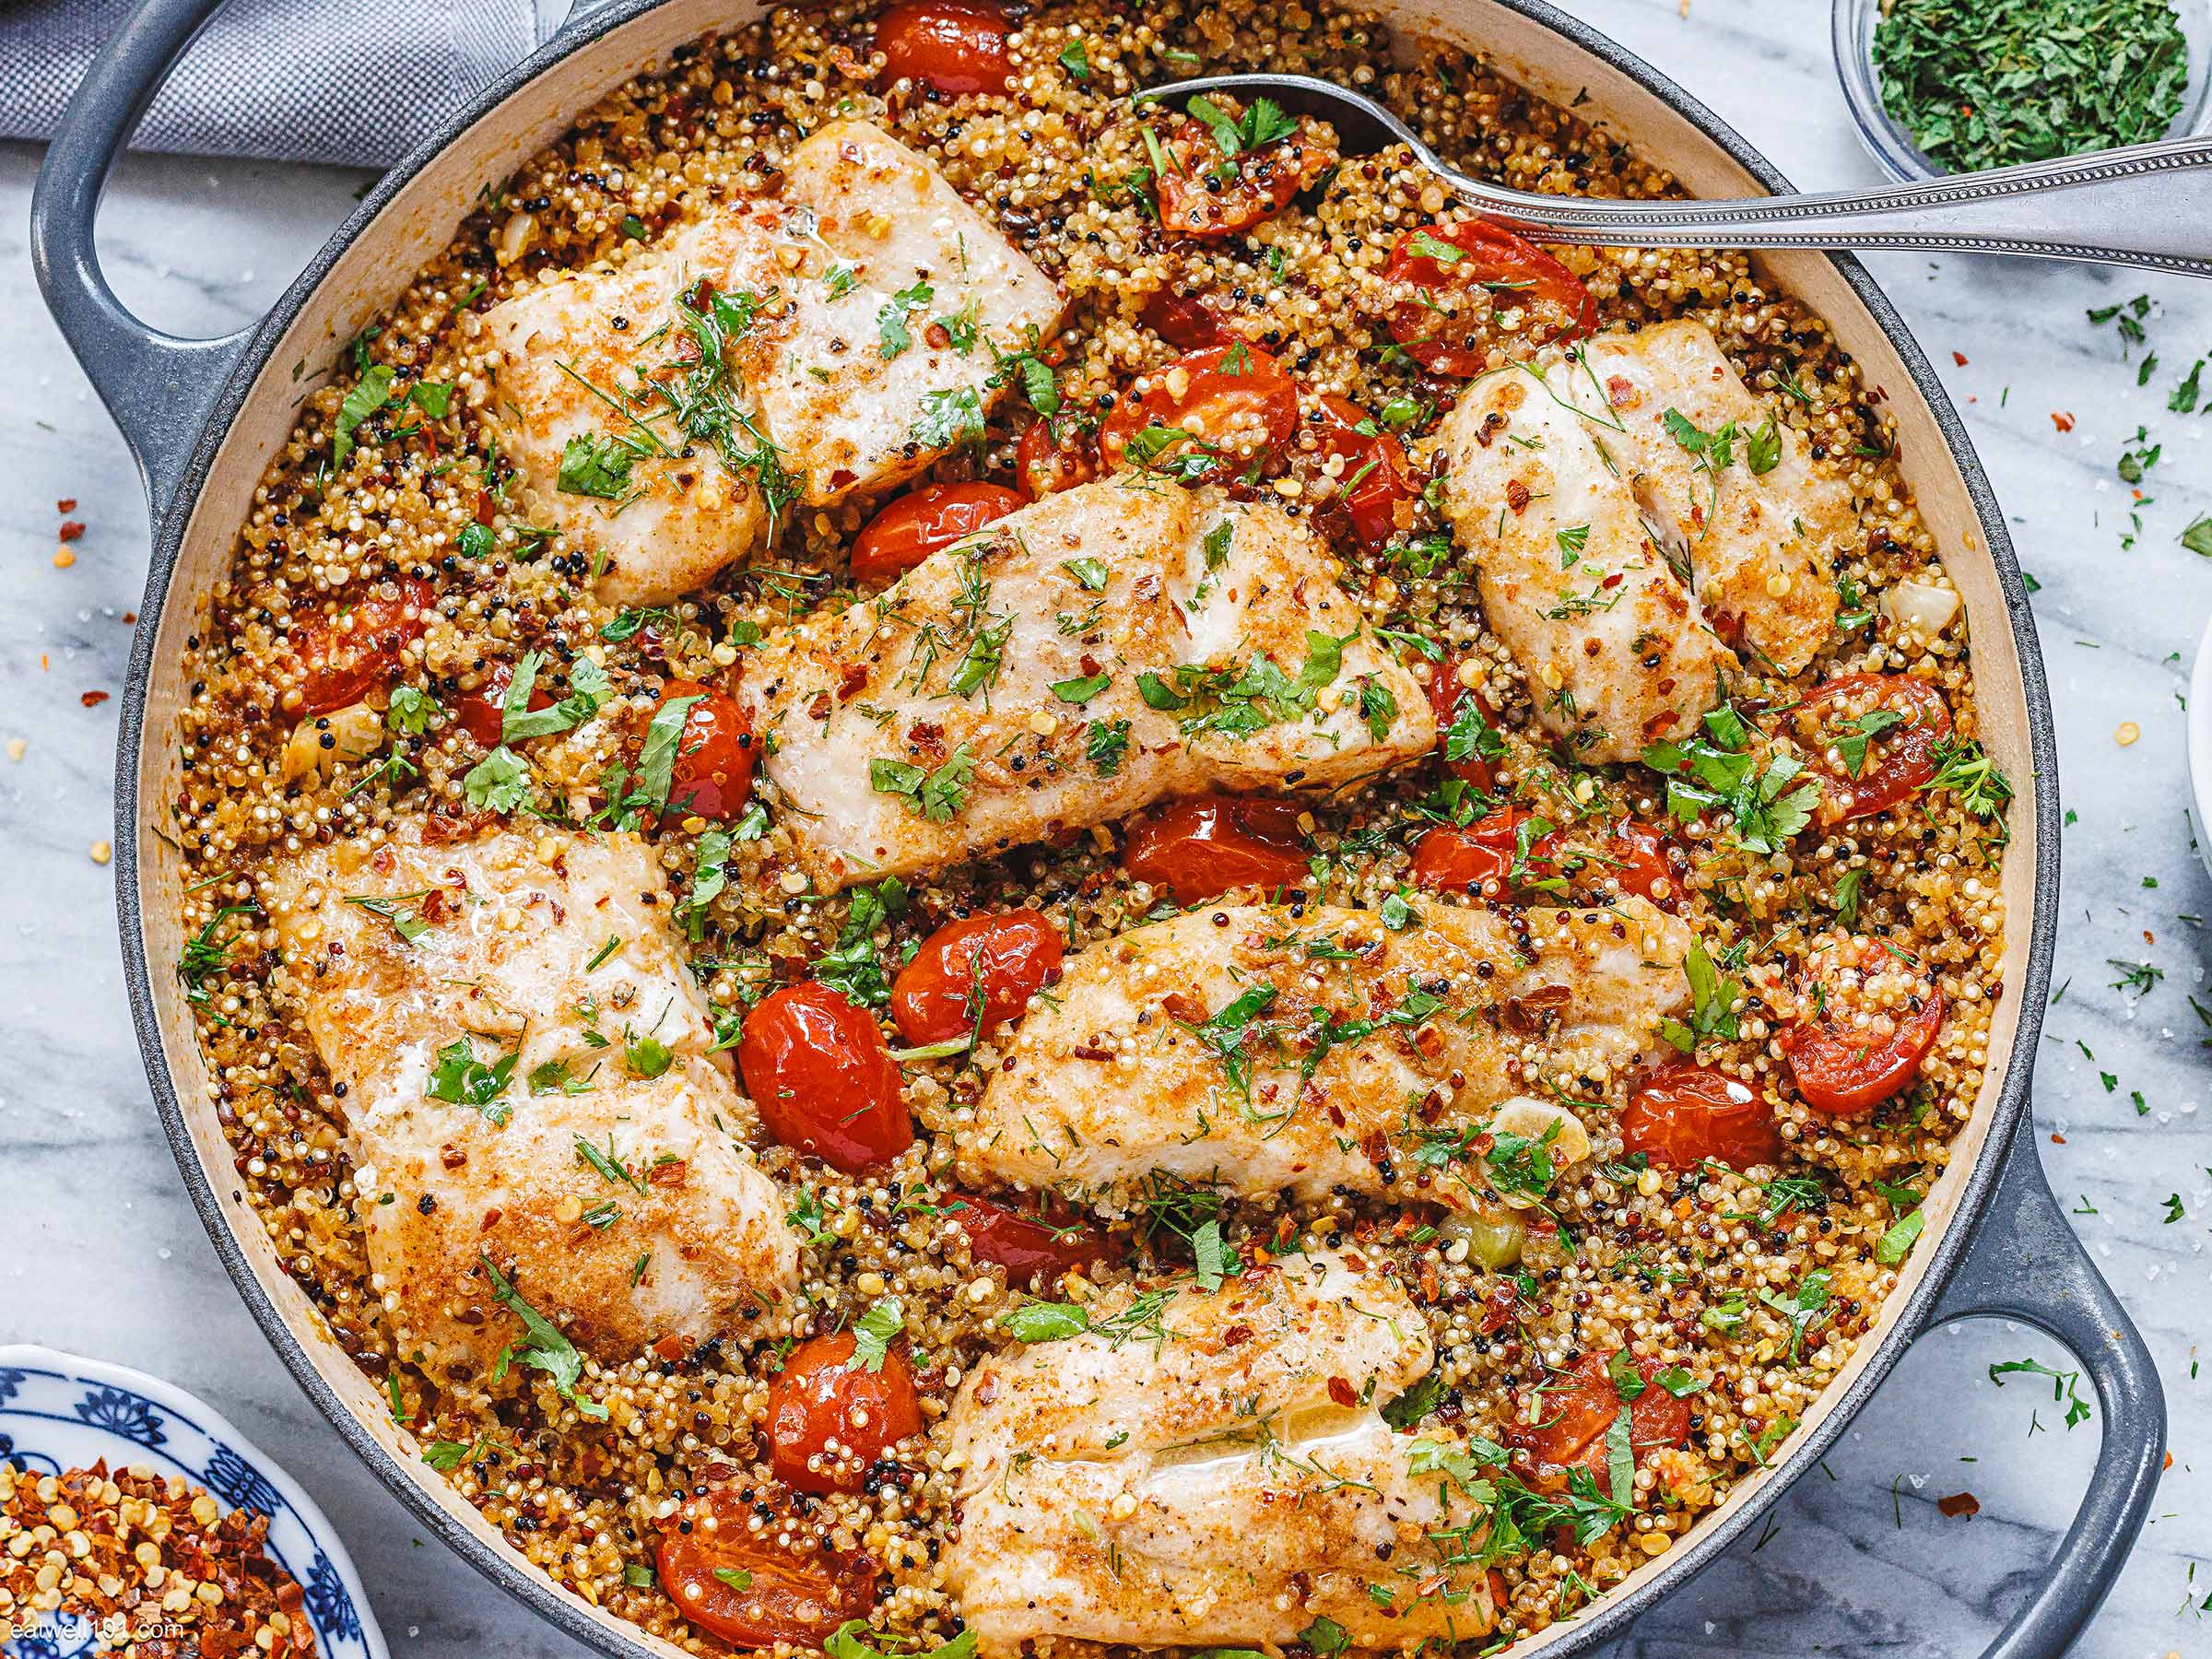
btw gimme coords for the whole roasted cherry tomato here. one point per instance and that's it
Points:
(1201, 847)
(982, 970)
(1575, 1409)
(1185, 323)
(953, 46)
(1463, 755)
(822, 1396)
(915, 526)
(741, 1585)
(1207, 414)
(1471, 859)
(822, 1080)
(1463, 273)
(1376, 475)
(1842, 719)
(1054, 454)
(715, 753)
(1207, 192)
(1026, 1242)
(1689, 1113)
(1633, 858)
(483, 711)
(345, 657)
(1871, 1022)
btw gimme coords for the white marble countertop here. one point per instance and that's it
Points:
(101, 1253)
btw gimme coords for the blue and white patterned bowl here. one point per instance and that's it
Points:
(59, 1412)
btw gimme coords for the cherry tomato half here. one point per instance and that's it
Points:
(1468, 272)
(1027, 1242)
(1227, 407)
(714, 754)
(1634, 858)
(1185, 323)
(915, 526)
(1463, 755)
(1201, 847)
(767, 1593)
(1872, 1022)
(1204, 193)
(345, 657)
(1451, 860)
(482, 712)
(953, 46)
(997, 962)
(1894, 761)
(1054, 454)
(1576, 1409)
(1375, 478)
(822, 1080)
(819, 1396)
(1689, 1113)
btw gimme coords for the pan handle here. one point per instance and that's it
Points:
(2026, 1263)
(162, 389)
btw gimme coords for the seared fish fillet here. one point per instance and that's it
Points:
(1316, 1051)
(1760, 545)
(515, 953)
(670, 437)
(1586, 506)
(1571, 579)
(1222, 1476)
(1089, 653)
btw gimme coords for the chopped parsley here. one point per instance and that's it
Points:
(460, 1079)
(542, 1346)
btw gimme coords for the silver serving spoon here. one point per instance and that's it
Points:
(2147, 205)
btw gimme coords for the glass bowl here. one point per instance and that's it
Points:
(1893, 147)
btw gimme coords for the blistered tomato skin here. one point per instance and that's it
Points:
(954, 46)
(1689, 1113)
(1471, 859)
(1841, 1073)
(1576, 1409)
(1196, 200)
(741, 1585)
(1896, 761)
(1376, 477)
(1053, 455)
(820, 1396)
(922, 521)
(1026, 1243)
(998, 962)
(1483, 264)
(1237, 396)
(1200, 848)
(715, 756)
(344, 658)
(822, 1079)
(482, 712)
(1186, 324)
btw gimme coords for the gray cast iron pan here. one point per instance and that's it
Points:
(1998, 1246)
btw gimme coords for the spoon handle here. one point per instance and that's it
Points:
(2147, 205)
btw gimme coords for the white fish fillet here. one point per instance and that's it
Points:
(512, 957)
(1361, 1059)
(887, 761)
(1226, 1480)
(864, 229)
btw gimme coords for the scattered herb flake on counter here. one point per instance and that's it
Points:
(1989, 83)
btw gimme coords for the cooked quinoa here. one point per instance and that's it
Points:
(1758, 1288)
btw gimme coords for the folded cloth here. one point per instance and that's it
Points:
(296, 80)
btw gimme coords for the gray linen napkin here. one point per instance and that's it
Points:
(352, 81)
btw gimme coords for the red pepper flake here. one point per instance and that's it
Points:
(92, 699)
(1959, 1503)
(71, 529)
(65, 505)
(1958, 357)
(2061, 420)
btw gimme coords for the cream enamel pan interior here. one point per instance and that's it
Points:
(414, 212)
